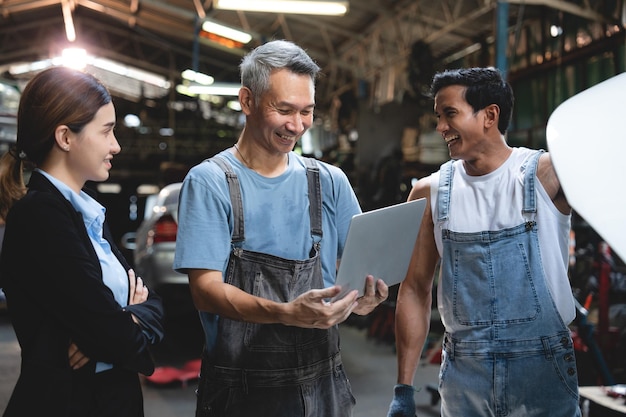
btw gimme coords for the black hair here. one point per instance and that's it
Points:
(484, 86)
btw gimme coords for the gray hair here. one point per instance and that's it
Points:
(257, 65)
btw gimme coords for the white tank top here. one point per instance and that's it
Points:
(494, 202)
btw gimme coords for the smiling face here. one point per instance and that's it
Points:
(463, 130)
(283, 113)
(92, 150)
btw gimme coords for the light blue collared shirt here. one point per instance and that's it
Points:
(113, 273)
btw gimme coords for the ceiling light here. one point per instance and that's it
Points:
(556, 31)
(24, 68)
(166, 131)
(123, 80)
(218, 89)
(319, 7)
(109, 188)
(70, 32)
(147, 189)
(130, 72)
(226, 32)
(234, 105)
(197, 77)
(132, 121)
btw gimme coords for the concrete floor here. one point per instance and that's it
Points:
(371, 368)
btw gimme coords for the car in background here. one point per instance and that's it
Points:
(153, 246)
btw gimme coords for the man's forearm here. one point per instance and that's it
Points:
(412, 326)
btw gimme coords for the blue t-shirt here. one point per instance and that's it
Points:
(276, 217)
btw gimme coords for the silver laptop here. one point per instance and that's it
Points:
(380, 243)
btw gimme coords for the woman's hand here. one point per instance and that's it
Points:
(76, 358)
(138, 291)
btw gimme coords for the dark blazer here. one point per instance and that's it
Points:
(55, 295)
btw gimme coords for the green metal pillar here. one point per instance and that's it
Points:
(502, 36)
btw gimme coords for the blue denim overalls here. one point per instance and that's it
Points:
(272, 369)
(506, 350)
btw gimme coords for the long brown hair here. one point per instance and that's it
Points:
(56, 96)
(12, 186)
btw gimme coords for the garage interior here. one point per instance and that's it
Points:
(378, 55)
(373, 118)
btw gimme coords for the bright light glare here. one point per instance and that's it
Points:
(331, 8)
(556, 31)
(74, 58)
(132, 120)
(234, 105)
(306, 141)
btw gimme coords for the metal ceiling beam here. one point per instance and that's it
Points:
(385, 40)
(567, 7)
(461, 21)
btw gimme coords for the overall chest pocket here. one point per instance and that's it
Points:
(282, 281)
(492, 284)
(278, 337)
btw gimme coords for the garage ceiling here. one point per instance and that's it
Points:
(160, 35)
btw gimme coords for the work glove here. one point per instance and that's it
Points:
(403, 403)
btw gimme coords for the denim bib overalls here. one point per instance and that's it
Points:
(506, 350)
(273, 369)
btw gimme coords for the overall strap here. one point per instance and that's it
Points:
(235, 198)
(314, 192)
(315, 197)
(446, 173)
(530, 194)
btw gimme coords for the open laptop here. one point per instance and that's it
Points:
(380, 242)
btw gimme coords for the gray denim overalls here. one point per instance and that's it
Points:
(273, 369)
(507, 351)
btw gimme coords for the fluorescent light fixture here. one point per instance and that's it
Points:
(131, 72)
(109, 188)
(78, 58)
(70, 32)
(166, 131)
(184, 90)
(197, 77)
(319, 7)
(148, 189)
(35, 66)
(226, 32)
(217, 89)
